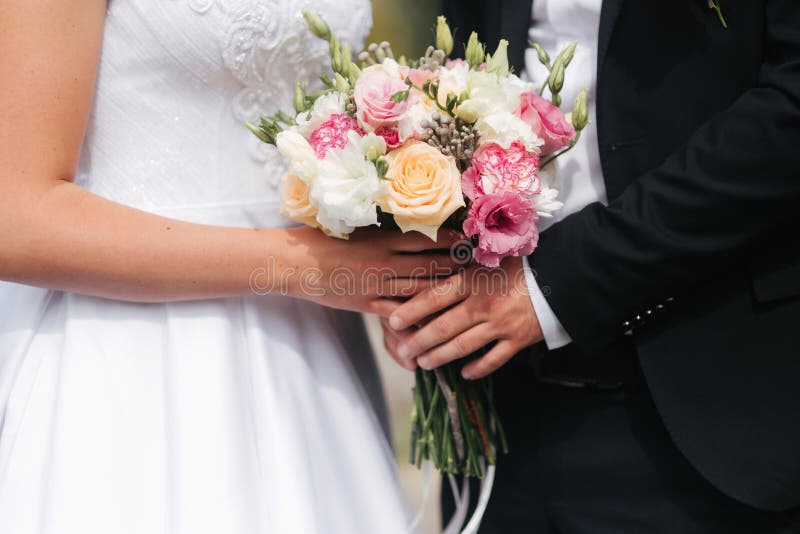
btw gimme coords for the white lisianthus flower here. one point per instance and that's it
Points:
(325, 107)
(295, 148)
(346, 189)
(545, 202)
(504, 128)
(489, 95)
(517, 85)
(477, 79)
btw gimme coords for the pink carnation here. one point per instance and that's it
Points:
(390, 135)
(505, 224)
(332, 134)
(496, 168)
(547, 122)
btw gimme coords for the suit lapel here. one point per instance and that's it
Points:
(608, 19)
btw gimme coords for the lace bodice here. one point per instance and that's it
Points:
(177, 80)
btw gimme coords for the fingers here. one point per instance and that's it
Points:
(442, 295)
(383, 308)
(494, 360)
(460, 346)
(401, 289)
(440, 330)
(391, 340)
(422, 265)
(417, 242)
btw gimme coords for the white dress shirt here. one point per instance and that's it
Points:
(578, 175)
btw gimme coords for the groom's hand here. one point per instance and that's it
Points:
(463, 314)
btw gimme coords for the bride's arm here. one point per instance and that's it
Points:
(55, 234)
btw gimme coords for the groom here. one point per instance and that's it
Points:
(659, 385)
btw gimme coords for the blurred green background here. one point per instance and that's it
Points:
(407, 24)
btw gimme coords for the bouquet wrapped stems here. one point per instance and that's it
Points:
(454, 422)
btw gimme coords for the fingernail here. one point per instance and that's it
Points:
(425, 363)
(396, 322)
(466, 375)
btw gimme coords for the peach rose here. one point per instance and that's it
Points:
(295, 202)
(425, 188)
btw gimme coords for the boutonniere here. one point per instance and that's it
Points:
(714, 4)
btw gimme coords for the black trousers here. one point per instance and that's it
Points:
(591, 462)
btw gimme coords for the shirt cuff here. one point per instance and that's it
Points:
(555, 336)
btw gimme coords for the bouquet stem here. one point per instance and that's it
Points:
(455, 423)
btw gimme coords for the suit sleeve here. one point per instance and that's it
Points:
(735, 179)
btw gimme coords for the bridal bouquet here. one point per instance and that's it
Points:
(426, 144)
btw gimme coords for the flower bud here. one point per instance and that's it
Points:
(354, 73)
(342, 85)
(580, 113)
(347, 58)
(544, 57)
(299, 98)
(468, 112)
(444, 37)
(317, 25)
(336, 55)
(568, 53)
(476, 51)
(498, 63)
(373, 146)
(382, 166)
(556, 80)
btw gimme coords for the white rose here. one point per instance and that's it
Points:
(346, 190)
(295, 148)
(325, 107)
(504, 128)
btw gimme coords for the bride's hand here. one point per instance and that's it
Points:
(367, 273)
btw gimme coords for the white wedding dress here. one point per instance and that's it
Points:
(235, 416)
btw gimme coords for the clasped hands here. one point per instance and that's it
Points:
(458, 315)
(434, 308)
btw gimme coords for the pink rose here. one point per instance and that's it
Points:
(390, 135)
(332, 134)
(505, 224)
(547, 121)
(373, 95)
(496, 168)
(417, 76)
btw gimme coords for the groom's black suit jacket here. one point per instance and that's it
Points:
(699, 132)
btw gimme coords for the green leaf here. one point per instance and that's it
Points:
(400, 96)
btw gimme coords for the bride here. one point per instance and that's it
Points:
(144, 386)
